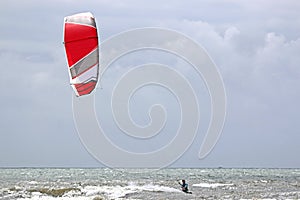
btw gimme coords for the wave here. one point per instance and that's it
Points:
(212, 185)
(46, 193)
(123, 191)
(94, 192)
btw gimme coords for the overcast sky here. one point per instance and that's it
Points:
(255, 45)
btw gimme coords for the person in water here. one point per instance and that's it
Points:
(184, 186)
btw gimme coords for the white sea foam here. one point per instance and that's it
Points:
(109, 191)
(32, 182)
(212, 185)
(157, 188)
(118, 191)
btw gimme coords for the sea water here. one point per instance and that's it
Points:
(103, 183)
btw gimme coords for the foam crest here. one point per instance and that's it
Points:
(212, 185)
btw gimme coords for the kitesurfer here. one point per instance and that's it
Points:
(184, 186)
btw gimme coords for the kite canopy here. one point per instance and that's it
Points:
(82, 51)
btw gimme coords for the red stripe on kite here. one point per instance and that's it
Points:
(85, 88)
(80, 40)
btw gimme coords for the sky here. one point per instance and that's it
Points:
(254, 44)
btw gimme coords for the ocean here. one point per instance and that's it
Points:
(104, 183)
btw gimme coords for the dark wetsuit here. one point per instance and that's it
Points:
(184, 187)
